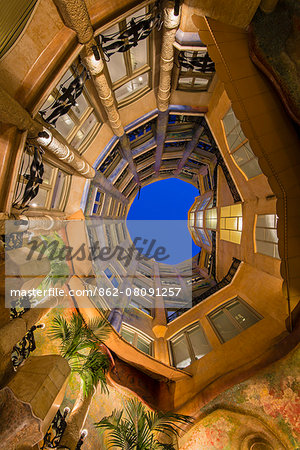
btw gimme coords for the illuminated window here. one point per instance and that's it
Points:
(211, 218)
(80, 125)
(239, 146)
(188, 346)
(53, 190)
(266, 235)
(136, 338)
(191, 79)
(231, 223)
(232, 318)
(129, 71)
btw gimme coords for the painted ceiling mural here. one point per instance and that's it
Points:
(272, 396)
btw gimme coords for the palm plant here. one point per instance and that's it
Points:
(82, 345)
(141, 429)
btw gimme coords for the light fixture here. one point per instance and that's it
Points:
(34, 205)
(140, 79)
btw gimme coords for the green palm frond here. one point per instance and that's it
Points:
(99, 327)
(139, 429)
(168, 423)
(80, 346)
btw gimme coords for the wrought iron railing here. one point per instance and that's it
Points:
(55, 431)
(221, 284)
(23, 348)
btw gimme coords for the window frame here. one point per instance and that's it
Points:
(137, 334)
(223, 307)
(275, 244)
(185, 332)
(223, 228)
(78, 122)
(48, 187)
(130, 73)
(193, 74)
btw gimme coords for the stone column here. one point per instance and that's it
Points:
(96, 69)
(171, 23)
(189, 148)
(161, 130)
(13, 113)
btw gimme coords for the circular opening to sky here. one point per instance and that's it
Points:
(158, 221)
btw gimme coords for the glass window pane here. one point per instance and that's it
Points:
(252, 168)
(131, 87)
(58, 190)
(108, 273)
(138, 55)
(64, 125)
(84, 131)
(137, 15)
(48, 171)
(199, 342)
(143, 345)
(235, 137)
(81, 107)
(201, 82)
(229, 121)
(266, 220)
(244, 316)
(180, 352)
(266, 248)
(116, 67)
(185, 81)
(40, 200)
(241, 156)
(127, 335)
(224, 326)
(115, 282)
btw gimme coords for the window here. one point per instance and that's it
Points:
(129, 71)
(239, 146)
(140, 306)
(137, 339)
(188, 346)
(196, 70)
(266, 235)
(211, 218)
(232, 318)
(81, 123)
(231, 223)
(98, 202)
(53, 190)
(111, 277)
